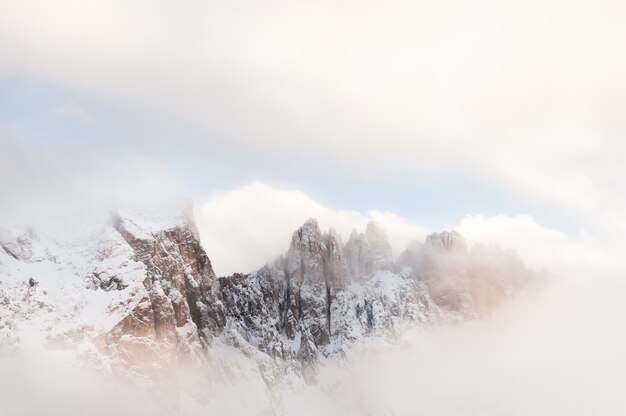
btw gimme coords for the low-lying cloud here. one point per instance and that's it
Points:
(554, 352)
(525, 96)
(244, 228)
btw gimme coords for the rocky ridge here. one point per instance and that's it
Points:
(136, 293)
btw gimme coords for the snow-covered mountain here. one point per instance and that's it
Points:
(134, 294)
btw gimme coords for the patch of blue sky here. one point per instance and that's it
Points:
(41, 117)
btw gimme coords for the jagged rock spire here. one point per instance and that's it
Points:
(379, 247)
(305, 258)
(369, 252)
(450, 241)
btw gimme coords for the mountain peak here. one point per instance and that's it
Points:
(379, 248)
(451, 241)
(308, 233)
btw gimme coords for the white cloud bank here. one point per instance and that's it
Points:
(584, 256)
(557, 352)
(244, 228)
(528, 96)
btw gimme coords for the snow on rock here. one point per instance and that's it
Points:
(133, 292)
(366, 253)
(308, 307)
(108, 278)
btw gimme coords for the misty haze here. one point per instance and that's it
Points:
(409, 208)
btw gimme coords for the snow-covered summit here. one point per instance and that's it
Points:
(82, 274)
(132, 291)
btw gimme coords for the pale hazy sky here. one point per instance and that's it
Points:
(430, 110)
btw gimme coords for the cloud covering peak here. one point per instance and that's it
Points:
(525, 96)
(246, 227)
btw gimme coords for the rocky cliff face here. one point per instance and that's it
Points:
(464, 282)
(368, 252)
(136, 293)
(131, 292)
(178, 311)
(307, 305)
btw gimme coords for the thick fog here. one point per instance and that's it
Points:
(557, 351)
(560, 353)
(513, 108)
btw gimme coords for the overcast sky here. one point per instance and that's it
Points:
(421, 114)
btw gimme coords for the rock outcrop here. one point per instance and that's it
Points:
(307, 305)
(462, 281)
(140, 289)
(368, 252)
(179, 309)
